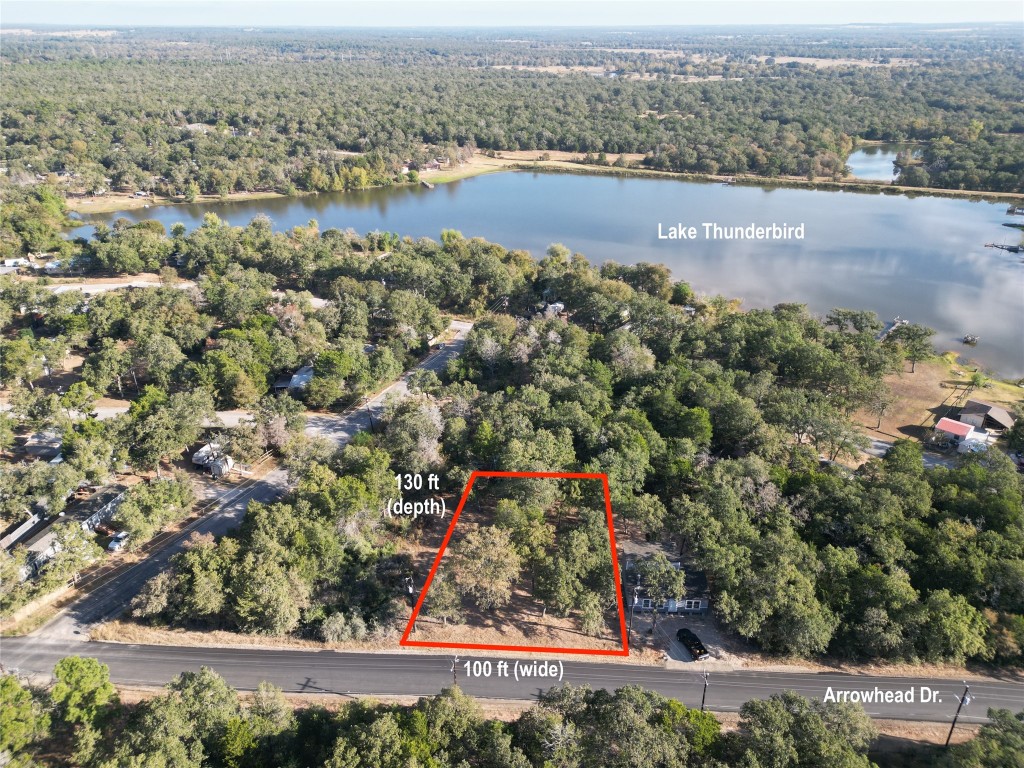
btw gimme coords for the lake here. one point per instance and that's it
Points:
(923, 258)
(873, 162)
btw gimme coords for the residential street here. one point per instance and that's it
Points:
(931, 459)
(414, 674)
(112, 598)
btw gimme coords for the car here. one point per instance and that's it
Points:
(692, 643)
(118, 542)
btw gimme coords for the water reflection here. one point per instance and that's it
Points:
(874, 161)
(922, 257)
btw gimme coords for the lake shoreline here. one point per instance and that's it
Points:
(918, 256)
(116, 202)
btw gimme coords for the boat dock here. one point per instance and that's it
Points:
(891, 326)
(1007, 248)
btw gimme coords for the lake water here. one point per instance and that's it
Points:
(874, 161)
(922, 258)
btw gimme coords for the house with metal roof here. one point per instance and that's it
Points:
(954, 430)
(982, 415)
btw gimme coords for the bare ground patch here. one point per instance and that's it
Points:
(927, 394)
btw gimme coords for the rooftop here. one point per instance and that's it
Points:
(994, 412)
(957, 428)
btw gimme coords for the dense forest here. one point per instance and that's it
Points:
(717, 427)
(198, 721)
(183, 112)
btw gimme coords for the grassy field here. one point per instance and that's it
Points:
(122, 201)
(924, 396)
(560, 162)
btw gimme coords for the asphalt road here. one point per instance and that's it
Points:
(109, 600)
(931, 459)
(414, 674)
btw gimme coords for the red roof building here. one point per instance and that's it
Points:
(957, 428)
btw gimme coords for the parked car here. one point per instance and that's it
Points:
(692, 643)
(118, 542)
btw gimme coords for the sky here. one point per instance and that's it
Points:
(497, 13)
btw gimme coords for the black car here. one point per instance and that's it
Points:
(693, 644)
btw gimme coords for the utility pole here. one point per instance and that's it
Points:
(965, 700)
(455, 670)
(369, 412)
(704, 695)
(632, 609)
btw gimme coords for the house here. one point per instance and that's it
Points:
(301, 378)
(986, 416)
(41, 542)
(696, 602)
(954, 431)
(44, 445)
(99, 507)
(212, 457)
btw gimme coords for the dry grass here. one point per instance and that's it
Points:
(831, 63)
(124, 201)
(924, 396)
(554, 69)
(36, 614)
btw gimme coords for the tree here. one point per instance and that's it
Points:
(148, 507)
(83, 693)
(788, 730)
(485, 564)
(20, 362)
(412, 434)
(914, 340)
(160, 734)
(107, 366)
(443, 600)
(78, 399)
(591, 614)
(953, 629)
(266, 598)
(156, 358)
(209, 704)
(161, 425)
(75, 549)
(1015, 436)
(998, 744)
(238, 743)
(22, 719)
(661, 581)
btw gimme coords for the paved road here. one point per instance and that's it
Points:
(418, 674)
(340, 427)
(112, 598)
(931, 459)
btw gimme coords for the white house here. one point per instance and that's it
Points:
(953, 430)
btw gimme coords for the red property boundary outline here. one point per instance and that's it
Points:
(624, 651)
